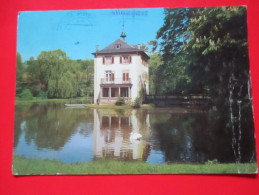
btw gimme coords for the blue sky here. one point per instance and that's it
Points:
(78, 32)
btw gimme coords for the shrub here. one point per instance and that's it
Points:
(214, 161)
(26, 94)
(34, 90)
(120, 101)
(137, 102)
(42, 94)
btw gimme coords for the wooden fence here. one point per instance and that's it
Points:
(165, 100)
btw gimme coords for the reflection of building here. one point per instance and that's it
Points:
(120, 70)
(112, 136)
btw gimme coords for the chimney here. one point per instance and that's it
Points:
(97, 48)
(138, 46)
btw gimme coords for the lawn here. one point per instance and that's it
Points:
(79, 100)
(25, 166)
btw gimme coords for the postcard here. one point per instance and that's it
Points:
(133, 91)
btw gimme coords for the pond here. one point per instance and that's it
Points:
(168, 135)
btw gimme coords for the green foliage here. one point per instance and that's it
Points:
(56, 75)
(137, 102)
(26, 95)
(86, 77)
(205, 52)
(120, 101)
(174, 32)
(170, 76)
(210, 162)
(19, 73)
(42, 94)
(19, 64)
(155, 62)
(201, 49)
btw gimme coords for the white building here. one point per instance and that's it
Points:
(120, 70)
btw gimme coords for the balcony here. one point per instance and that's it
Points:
(115, 81)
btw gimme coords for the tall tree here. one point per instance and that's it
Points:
(155, 62)
(210, 44)
(174, 33)
(172, 37)
(219, 49)
(19, 74)
(57, 76)
(86, 77)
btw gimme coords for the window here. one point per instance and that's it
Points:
(109, 75)
(108, 152)
(115, 122)
(125, 76)
(125, 124)
(126, 154)
(125, 59)
(108, 60)
(117, 46)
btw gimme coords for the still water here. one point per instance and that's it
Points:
(168, 135)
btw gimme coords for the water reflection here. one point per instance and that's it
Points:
(112, 135)
(168, 135)
(51, 131)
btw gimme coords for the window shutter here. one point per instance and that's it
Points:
(127, 76)
(120, 59)
(123, 76)
(112, 59)
(103, 60)
(129, 59)
(112, 76)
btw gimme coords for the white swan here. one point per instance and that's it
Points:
(135, 136)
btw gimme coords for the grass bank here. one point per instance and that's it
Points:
(144, 106)
(24, 166)
(79, 100)
(108, 106)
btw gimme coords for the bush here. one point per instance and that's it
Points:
(137, 102)
(34, 90)
(42, 94)
(26, 95)
(214, 161)
(120, 102)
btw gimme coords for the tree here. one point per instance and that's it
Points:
(86, 77)
(155, 62)
(206, 45)
(56, 75)
(54, 72)
(172, 36)
(219, 43)
(19, 74)
(209, 46)
(219, 49)
(174, 33)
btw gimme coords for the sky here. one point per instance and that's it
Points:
(78, 32)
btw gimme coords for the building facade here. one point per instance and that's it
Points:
(120, 70)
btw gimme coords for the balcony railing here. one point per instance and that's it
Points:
(115, 81)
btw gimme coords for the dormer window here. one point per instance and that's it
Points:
(108, 60)
(126, 59)
(117, 46)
